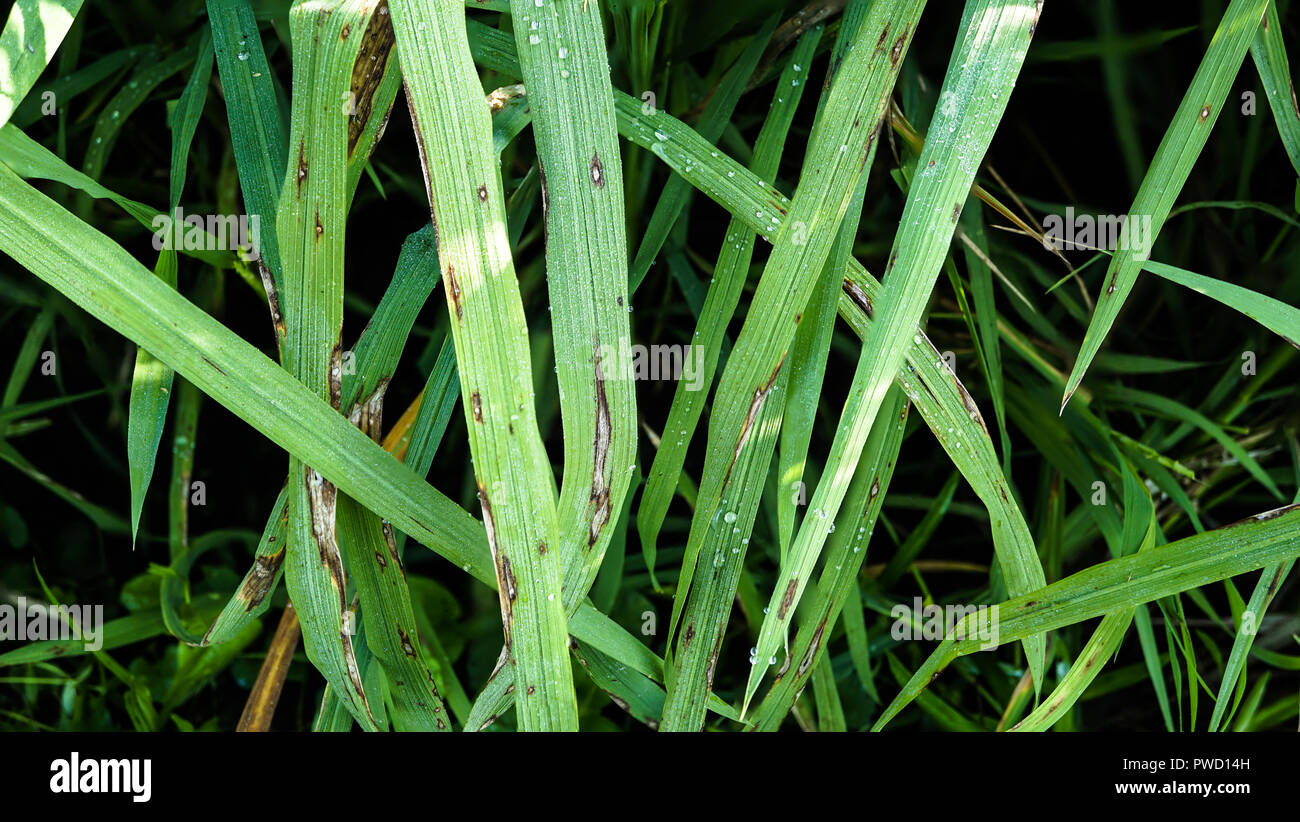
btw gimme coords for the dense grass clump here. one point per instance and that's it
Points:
(563, 364)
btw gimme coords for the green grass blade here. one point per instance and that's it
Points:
(1266, 539)
(1169, 170)
(986, 62)
(463, 181)
(151, 382)
(1265, 589)
(729, 275)
(257, 134)
(1275, 315)
(741, 416)
(1269, 53)
(310, 227)
(566, 71)
(716, 115)
(845, 553)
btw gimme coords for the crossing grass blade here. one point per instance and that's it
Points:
(104, 280)
(729, 275)
(943, 401)
(742, 424)
(1170, 167)
(845, 553)
(463, 182)
(812, 341)
(1266, 539)
(991, 47)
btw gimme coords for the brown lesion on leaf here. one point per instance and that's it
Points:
(257, 583)
(880, 42)
(347, 29)
(302, 165)
(1205, 112)
(390, 541)
(408, 647)
(599, 502)
(482, 193)
(506, 586)
(368, 413)
(788, 599)
(755, 406)
(215, 367)
(713, 664)
(453, 290)
(897, 50)
(336, 375)
(377, 43)
(956, 213)
(859, 298)
(813, 646)
(273, 302)
(476, 403)
(597, 171)
(688, 636)
(322, 499)
(320, 229)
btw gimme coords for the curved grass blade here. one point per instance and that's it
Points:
(1275, 315)
(1265, 539)
(1169, 170)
